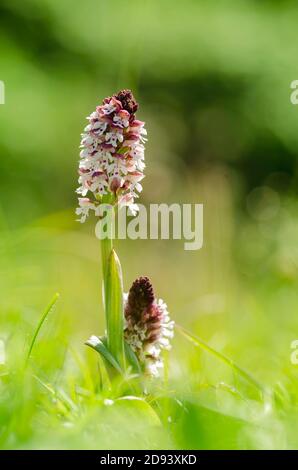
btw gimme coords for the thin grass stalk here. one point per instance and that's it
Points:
(229, 362)
(41, 322)
(107, 239)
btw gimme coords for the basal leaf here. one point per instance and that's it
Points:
(114, 309)
(98, 345)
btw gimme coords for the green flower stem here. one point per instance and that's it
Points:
(107, 240)
(106, 249)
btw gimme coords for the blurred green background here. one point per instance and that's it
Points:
(213, 82)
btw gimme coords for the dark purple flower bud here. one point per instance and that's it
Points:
(127, 100)
(140, 299)
(148, 326)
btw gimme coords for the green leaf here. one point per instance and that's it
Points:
(98, 345)
(137, 407)
(114, 309)
(132, 359)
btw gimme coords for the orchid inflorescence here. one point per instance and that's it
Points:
(112, 155)
(148, 328)
(110, 170)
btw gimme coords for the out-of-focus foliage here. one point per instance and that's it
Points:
(213, 81)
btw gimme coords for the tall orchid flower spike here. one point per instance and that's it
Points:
(112, 156)
(148, 327)
(138, 326)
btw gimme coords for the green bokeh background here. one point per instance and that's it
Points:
(213, 82)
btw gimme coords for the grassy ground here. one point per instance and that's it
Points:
(239, 294)
(213, 80)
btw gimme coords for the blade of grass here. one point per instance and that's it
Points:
(41, 322)
(229, 362)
